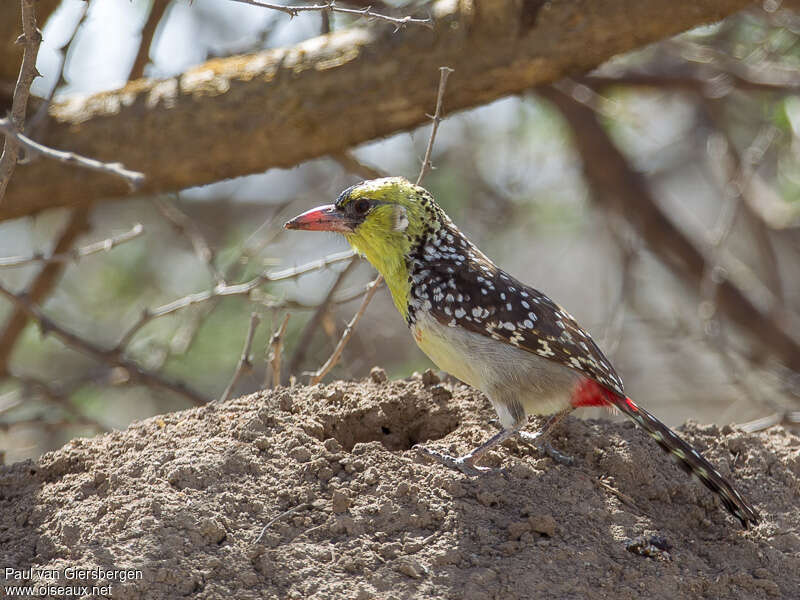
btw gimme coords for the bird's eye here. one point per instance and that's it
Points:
(361, 206)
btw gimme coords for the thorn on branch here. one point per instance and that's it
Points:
(426, 162)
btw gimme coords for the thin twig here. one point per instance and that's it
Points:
(274, 520)
(111, 357)
(157, 10)
(12, 132)
(42, 285)
(275, 349)
(31, 38)
(313, 323)
(240, 289)
(317, 375)
(59, 397)
(76, 254)
(426, 162)
(184, 225)
(245, 363)
(294, 11)
(350, 163)
(624, 497)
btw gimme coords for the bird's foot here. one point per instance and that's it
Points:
(465, 464)
(547, 448)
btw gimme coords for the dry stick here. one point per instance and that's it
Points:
(241, 289)
(76, 254)
(337, 352)
(348, 331)
(31, 37)
(314, 322)
(185, 335)
(293, 11)
(787, 418)
(184, 225)
(110, 357)
(12, 132)
(426, 162)
(245, 364)
(41, 286)
(275, 348)
(278, 518)
(148, 32)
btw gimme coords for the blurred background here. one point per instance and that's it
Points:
(709, 121)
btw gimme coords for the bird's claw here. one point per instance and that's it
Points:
(547, 448)
(465, 463)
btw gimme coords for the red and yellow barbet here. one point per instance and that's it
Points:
(480, 324)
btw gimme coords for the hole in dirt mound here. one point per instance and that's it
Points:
(398, 425)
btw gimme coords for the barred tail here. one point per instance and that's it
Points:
(689, 459)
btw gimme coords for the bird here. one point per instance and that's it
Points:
(488, 329)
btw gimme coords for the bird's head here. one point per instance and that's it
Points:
(383, 220)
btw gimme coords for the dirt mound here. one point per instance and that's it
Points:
(315, 492)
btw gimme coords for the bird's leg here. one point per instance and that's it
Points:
(466, 464)
(539, 439)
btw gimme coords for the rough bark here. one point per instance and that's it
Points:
(245, 114)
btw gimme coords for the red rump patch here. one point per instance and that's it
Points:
(588, 392)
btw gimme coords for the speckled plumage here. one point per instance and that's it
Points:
(477, 322)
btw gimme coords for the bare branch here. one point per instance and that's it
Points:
(311, 326)
(317, 375)
(157, 10)
(497, 47)
(76, 254)
(245, 363)
(42, 284)
(59, 397)
(241, 289)
(621, 189)
(426, 162)
(31, 38)
(293, 11)
(184, 225)
(111, 357)
(275, 348)
(134, 178)
(350, 163)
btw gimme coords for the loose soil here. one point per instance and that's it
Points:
(316, 492)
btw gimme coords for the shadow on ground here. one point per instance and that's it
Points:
(351, 511)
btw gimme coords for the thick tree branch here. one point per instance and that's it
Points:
(622, 190)
(280, 107)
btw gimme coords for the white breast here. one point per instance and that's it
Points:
(500, 370)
